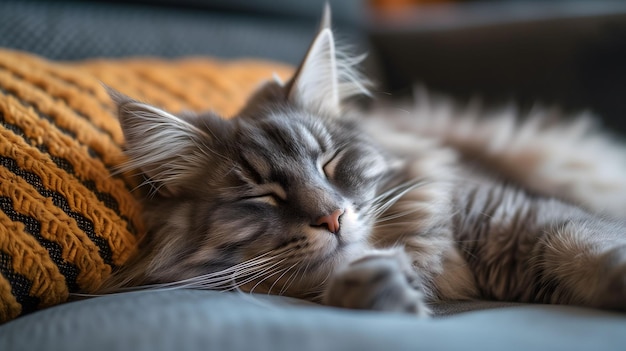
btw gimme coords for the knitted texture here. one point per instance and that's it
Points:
(66, 220)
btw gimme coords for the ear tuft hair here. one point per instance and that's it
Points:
(164, 147)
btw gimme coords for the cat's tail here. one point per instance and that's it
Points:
(567, 157)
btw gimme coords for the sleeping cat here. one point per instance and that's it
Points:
(300, 196)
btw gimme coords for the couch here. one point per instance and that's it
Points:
(231, 321)
(209, 320)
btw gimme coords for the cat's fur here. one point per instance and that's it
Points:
(380, 209)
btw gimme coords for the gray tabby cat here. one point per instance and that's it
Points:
(380, 210)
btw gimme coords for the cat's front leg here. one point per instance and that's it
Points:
(382, 280)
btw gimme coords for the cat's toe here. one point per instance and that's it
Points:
(377, 283)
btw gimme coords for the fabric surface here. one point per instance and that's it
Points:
(65, 219)
(207, 320)
(76, 30)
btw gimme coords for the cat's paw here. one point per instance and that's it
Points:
(380, 282)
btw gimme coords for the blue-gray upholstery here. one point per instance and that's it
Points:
(74, 30)
(208, 320)
(204, 320)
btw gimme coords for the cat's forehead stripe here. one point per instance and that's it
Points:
(322, 136)
(257, 169)
(308, 138)
(279, 135)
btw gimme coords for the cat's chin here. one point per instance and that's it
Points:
(330, 259)
(321, 244)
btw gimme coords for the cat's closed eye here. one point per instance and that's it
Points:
(271, 194)
(269, 198)
(329, 166)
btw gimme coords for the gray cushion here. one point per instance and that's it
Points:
(205, 320)
(71, 30)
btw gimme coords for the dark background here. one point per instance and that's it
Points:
(566, 53)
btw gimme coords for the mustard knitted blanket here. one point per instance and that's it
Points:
(65, 220)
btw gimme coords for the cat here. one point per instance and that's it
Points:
(303, 195)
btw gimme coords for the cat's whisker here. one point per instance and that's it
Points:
(255, 263)
(230, 283)
(193, 283)
(299, 276)
(397, 215)
(153, 185)
(394, 224)
(269, 273)
(389, 192)
(252, 273)
(276, 257)
(396, 243)
(233, 269)
(260, 274)
(214, 279)
(323, 282)
(218, 281)
(387, 199)
(289, 282)
(203, 147)
(281, 276)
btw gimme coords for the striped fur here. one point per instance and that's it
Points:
(428, 205)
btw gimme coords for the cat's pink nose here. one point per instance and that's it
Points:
(331, 221)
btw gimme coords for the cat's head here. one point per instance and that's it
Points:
(285, 188)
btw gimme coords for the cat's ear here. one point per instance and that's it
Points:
(315, 83)
(325, 77)
(164, 147)
(326, 17)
